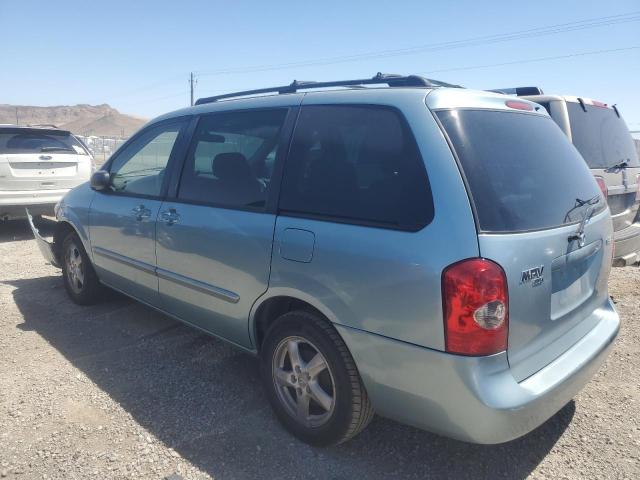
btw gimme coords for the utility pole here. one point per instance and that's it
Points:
(18, 122)
(192, 82)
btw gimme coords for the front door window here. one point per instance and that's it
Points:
(139, 169)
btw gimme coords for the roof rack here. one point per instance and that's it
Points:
(30, 125)
(42, 125)
(389, 79)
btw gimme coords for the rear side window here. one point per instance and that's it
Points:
(523, 173)
(33, 141)
(601, 136)
(231, 158)
(356, 164)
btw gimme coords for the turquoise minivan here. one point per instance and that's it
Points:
(395, 245)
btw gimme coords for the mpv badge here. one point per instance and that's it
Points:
(533, 276)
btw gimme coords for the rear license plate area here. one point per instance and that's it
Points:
(573, 278)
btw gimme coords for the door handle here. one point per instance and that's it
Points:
(141, 212)
(170, 216)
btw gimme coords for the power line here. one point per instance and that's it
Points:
(532, 60)
(470, 67)
(127, 93)
(159, 98)
(470, 42)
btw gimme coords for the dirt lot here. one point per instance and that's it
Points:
(120, 391)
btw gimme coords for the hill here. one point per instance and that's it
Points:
(99, 120)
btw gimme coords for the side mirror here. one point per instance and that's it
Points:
(100, 180)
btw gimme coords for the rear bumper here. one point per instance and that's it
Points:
(474, 399)
(39, 202)
(46, 248)
(627, 244)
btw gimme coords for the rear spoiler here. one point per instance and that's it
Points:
(519, 91)
(30, 129)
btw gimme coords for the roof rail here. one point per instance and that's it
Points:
(389, 79)
(519, 91)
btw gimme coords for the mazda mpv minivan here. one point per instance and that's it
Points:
(436, 255)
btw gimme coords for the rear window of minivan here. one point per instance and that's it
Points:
(522, 172)
(601, 136)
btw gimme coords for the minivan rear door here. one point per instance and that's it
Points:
(603, 139)
(542, 217)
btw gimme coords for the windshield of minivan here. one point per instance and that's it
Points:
(601, 136)
(523, 173)
(33, 141)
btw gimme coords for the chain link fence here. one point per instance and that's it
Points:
(102, 147)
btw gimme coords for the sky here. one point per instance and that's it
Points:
(137, 55)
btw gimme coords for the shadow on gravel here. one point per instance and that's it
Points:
(204, 399)
(17, 230)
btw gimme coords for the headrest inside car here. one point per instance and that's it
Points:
(231, 166)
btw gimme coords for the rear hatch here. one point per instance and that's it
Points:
(41, 159)
(603, 139)
(530, 191)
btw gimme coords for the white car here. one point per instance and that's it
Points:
(38, 166)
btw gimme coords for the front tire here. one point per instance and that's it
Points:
(80, 279)
(311, 380)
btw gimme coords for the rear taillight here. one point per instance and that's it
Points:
(476, 307)
(603, 187)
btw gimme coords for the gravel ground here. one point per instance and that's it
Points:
(120, 391)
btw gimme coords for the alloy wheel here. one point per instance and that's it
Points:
(304, 382)
(75, 267)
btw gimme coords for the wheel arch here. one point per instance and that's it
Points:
(278, 302)
(62, 229)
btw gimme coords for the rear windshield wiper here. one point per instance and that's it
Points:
(579, 234)
(54, 149)
(592, 201)
(581, 203)
(618, 166)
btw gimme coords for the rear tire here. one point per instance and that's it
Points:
(311, 380)
(80, 279)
